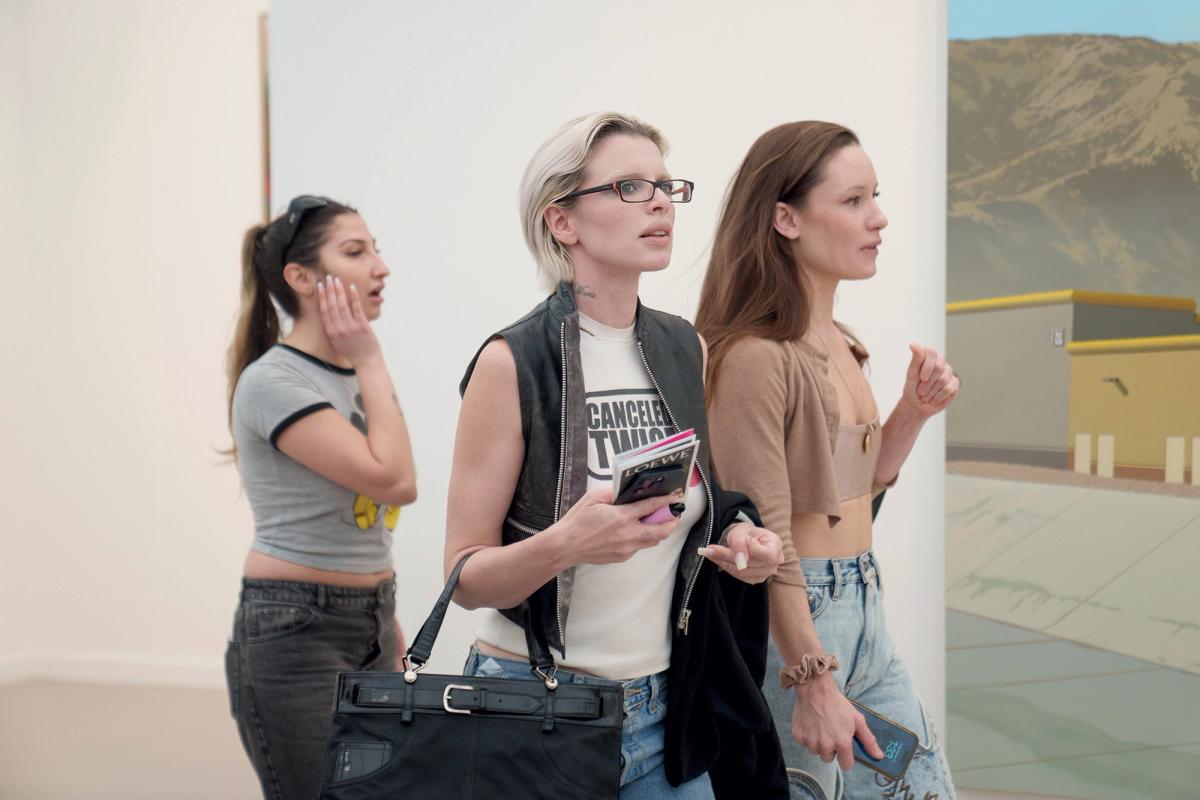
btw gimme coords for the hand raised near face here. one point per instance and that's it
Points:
(345, 323)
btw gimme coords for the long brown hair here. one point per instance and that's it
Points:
(753, 286)
(263, 285)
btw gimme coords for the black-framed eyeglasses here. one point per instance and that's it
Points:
(294, 216)
(639, 190)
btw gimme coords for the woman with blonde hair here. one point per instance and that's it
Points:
(795, 426)
(673, 611)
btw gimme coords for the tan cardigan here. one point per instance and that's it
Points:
(773, 423)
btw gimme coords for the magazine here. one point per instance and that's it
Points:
(656, 469)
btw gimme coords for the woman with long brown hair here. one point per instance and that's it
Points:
(794, 424)
(325, 459)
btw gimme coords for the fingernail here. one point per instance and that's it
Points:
(703, 551)
(739, 561)
(677, 509)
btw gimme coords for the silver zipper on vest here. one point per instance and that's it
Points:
(523, 528)
(562, 465)
(685, 613)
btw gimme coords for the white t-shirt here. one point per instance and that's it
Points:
(619, 624)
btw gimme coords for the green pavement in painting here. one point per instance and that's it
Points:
(1073, 640)
(1028, 713)
(1114, 570)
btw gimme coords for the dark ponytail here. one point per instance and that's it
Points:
(263, 285)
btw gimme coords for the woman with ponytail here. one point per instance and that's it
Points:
(324, 455)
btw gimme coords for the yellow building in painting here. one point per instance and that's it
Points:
(1020, 400)
(1144, 393)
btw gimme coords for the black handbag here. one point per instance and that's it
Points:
(412, 735)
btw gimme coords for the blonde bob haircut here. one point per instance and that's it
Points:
(556, 170)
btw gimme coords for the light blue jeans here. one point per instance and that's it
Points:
(642, 774)
(845, 597)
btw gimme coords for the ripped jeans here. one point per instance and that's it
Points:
(846, 600)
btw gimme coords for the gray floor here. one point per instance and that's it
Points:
(62, 741)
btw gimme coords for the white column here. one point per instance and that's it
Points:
(1105, 447)
(1174, 459)
(1083, 453)
(1196, 461)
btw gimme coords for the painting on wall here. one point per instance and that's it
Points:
(264, 42)
(1073, 451)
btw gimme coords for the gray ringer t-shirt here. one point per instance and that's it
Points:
(300, 516)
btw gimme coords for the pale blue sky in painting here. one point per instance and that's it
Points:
(1164, 20)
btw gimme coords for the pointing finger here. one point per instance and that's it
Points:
(720, 555)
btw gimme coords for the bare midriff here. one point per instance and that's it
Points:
(812, 536)
(260, 566)
(499, 652)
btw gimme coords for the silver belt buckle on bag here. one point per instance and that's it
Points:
(446, 698)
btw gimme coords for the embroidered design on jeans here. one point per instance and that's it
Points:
(899, 789)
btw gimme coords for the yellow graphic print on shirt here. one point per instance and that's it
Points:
(366, 510)
(366, 513)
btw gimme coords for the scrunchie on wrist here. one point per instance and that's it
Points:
(809, 668)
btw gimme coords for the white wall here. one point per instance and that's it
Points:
(130, 161)
(424, 117)
(129, 165)
(15, 317)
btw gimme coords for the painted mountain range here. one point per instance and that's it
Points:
(1074, 162)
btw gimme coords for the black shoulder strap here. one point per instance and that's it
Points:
(540, 657)
(420, 650)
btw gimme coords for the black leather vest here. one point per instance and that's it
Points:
(545, 347)
(717, 719)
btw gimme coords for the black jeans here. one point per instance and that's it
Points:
(290, 640)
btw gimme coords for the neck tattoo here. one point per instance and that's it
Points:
(584, 290)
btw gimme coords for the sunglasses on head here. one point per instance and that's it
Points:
(294, 216)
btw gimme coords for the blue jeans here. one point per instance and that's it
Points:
(845, 597)
(642, 774)
(289, 642)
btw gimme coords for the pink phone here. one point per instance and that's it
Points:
(662, 515)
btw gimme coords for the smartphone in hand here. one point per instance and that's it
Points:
(654, 482)
(897, 742)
